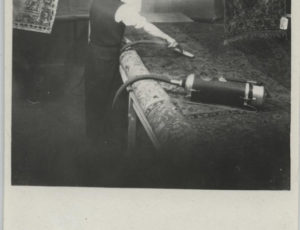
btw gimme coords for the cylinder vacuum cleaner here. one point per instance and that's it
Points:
(223, 91)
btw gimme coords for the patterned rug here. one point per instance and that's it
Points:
(250, 146)
(34, 15)
(253, 18)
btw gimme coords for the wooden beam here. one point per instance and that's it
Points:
(139, 112)
(170, 127)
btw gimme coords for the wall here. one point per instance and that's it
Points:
(203, 9)
(193, 8)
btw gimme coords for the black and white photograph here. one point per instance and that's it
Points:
(151, 94)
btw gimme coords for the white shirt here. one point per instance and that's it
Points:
(129, 14)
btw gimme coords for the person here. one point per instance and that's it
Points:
(27, 56)
(108, 19)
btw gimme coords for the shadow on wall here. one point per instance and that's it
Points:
(200, 9)
(203, 9)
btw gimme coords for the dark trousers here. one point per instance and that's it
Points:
(28, 54)
(102, 79)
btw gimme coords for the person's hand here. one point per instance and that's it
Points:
(172, 43)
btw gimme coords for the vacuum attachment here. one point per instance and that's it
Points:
(177, 49)
(225, 91)
(180, 50)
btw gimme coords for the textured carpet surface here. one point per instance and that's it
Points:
(253, 18)
(256, 138)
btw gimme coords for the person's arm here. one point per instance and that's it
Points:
(154, 31)
(131, 17)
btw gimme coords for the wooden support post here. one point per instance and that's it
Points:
(139, 113)
(132, 120)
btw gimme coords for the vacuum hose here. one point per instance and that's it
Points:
(158, 77)
(177, 49)
(142, 42)
(216, 90)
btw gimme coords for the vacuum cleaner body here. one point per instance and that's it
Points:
(223, 91)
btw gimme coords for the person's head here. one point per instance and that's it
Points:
(137, 4)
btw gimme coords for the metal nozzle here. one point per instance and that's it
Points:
(177, 82)
(184, 52)
(189, 82)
